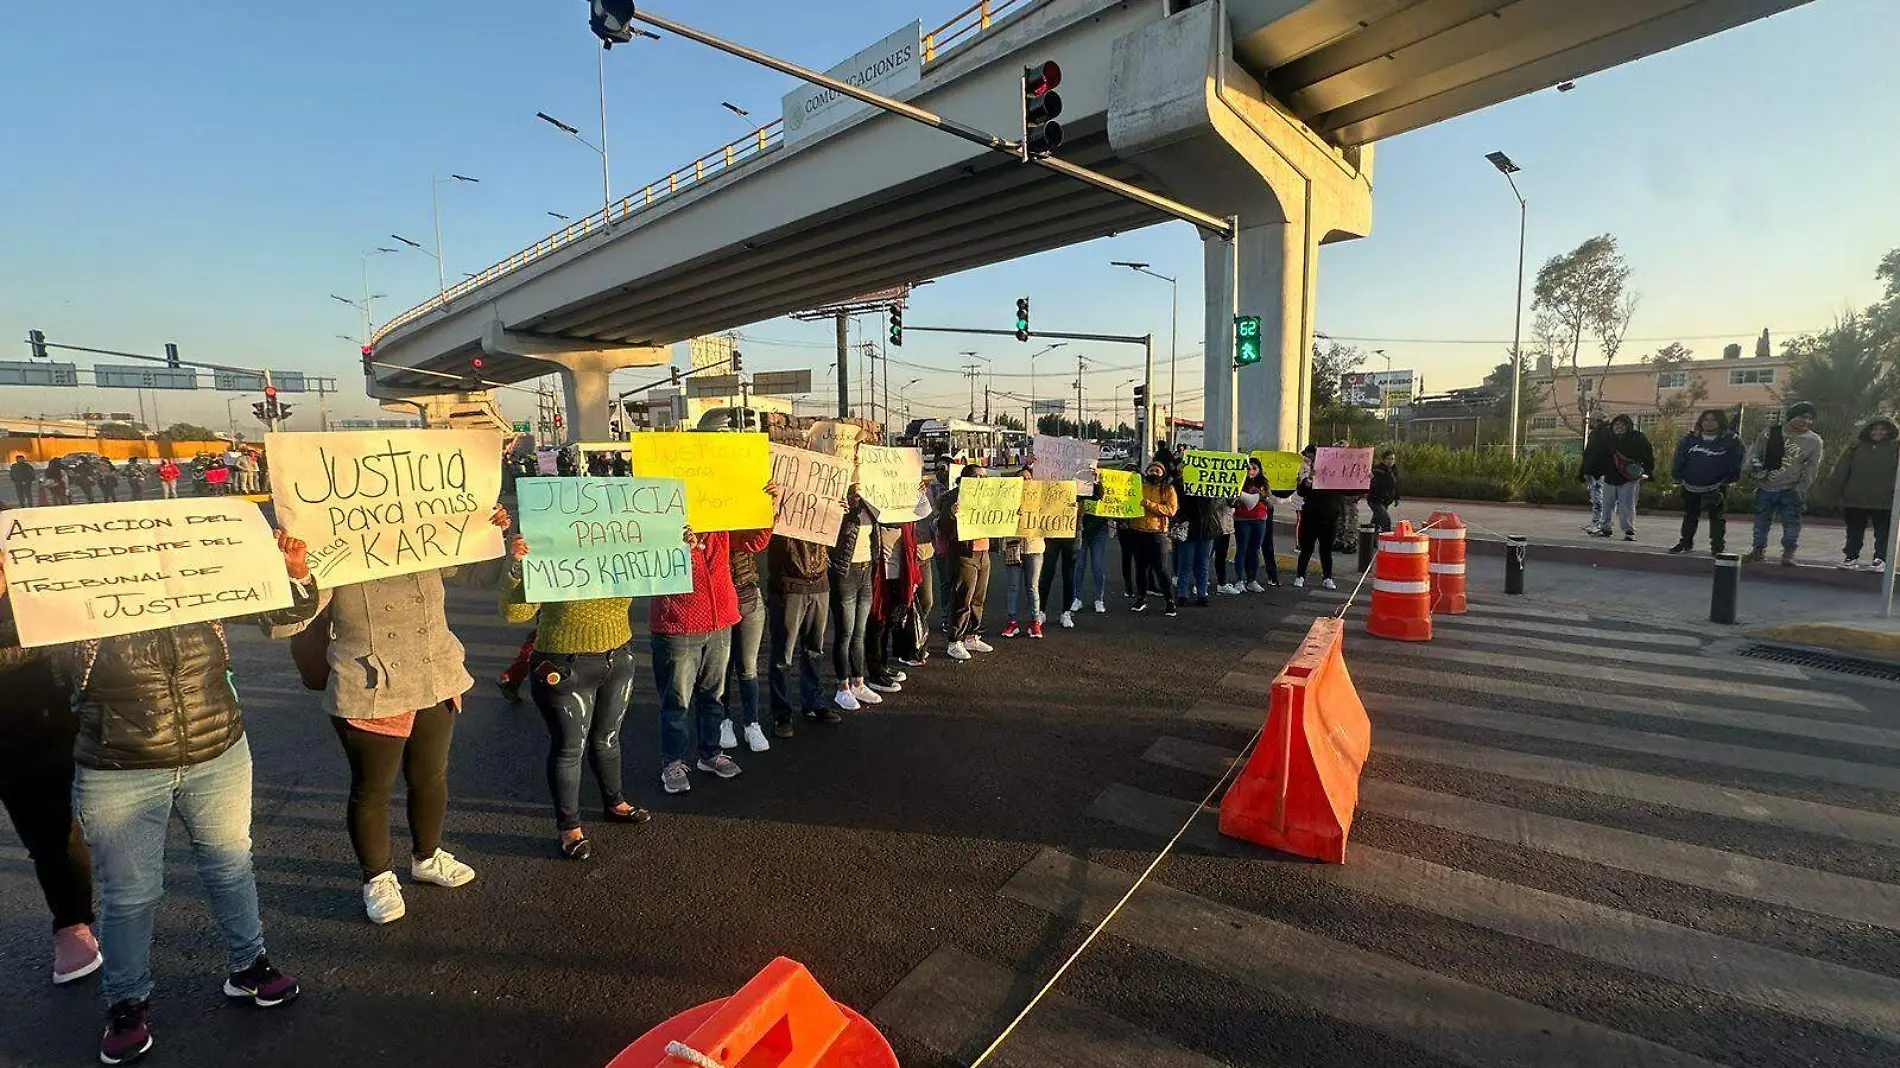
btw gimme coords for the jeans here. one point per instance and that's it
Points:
(23, 492)
(1026, 574)
(1620, 501)
(1381, 516)
(1058, 561)
(36, 786)
(1694, 506)
(1252, 535)
(374, 759)
(582, 698)
(798, 644)
(1769, 504)
(1151, 568)
(125, 815)
(1092, 562)
(973, 588)
(1192, 556)
(167, 488)
(850, 616)
(747, 636)
(1598, 516)
(689, 670)
(1857, 522)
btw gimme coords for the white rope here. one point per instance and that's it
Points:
(687, 1053)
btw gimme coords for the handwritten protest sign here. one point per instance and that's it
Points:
(835, 439)
(811, 493)
(377, 503)
(1342, 469)
(988, 507)
(1066, 458)
(92, 571)
(1048, 510)
(1121, 496)
(1213, 474)
(548, 461)
(725, 475)
(603, 537)
(888, 481)
(1281, 469)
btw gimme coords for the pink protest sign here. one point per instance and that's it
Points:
(1342, 469)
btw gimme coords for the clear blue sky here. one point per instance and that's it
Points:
(208, 173)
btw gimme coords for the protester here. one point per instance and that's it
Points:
(79, 473)
(1595, 464)
(1091, 537)
(1159, 503)
(25, 475)
(798, 609)
(582, 682)
(854, 559)
(136, 474)
(1385, 490)
(1631, 460)
(1022, 566)
(1059, 561)
(161, 731)
(37, 731)
(57, 485)
(1863, 480)
(973, 576)
(1784, 461)
(217, 478)
(108, 477)
(916, 652)
(747, 636)
(943, 549)
(1707, 460)
(1317, 524)
(1193, 531)
(893, 631)
(396, 682)
(1253, 528)
(1127, 538)
(168, 475)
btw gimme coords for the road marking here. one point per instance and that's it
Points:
(954, 1003)
(1555, 630)
(1731, 665)
(1759, 975)
(1598, 673)
(1418, 1007)
(1483, 607)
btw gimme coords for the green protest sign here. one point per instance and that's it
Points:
(603, 537)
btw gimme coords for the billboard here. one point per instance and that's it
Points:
(888, 67)
(1376, 389)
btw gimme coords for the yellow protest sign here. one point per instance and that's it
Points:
(1282, 469)
(1048, 510)
(1121, 496)
(988, 507)
(1213, 474)
(725, 475)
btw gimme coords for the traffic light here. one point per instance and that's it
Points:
(36, 341)
(1022, 318)
(369, 360)
(171, 354)
(1141, 396)
(262, 410)
(283, 411)
(1042, 135)
(1246, 340)
(270, 393)
(675, 372)
(897, 326)
(611, 21)
(738, 362)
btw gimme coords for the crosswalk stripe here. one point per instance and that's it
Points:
(1760, 975)
(1727, 665)
(1596, 673)
(955, 1003)
(1481, 607)
(1556, 630)
(1419, 1007)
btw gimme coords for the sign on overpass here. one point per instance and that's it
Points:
(888, 67)
(145, 377)
(782, 383)
(713, 386)
(248, 382)
(33, 373)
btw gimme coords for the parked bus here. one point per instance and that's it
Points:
(955, 438)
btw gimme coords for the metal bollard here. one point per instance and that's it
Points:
(1516, 545)
(1728, 583)
(1368, 537)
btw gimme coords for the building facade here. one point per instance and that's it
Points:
(1645, 392)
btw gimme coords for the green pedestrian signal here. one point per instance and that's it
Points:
(1246, 340)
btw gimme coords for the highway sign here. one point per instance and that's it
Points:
(713, 386)
(22, 373)
(522, 426)
(145, 377)
(782, 383)
(247, 382)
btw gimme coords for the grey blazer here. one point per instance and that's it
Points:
(391, 650)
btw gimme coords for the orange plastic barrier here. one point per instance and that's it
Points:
(1401, 587)
(781, 1019)
(1298, 790)
(1447, 532)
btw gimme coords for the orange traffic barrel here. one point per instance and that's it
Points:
(1447, 533)
(781, 1018)
(1402, 587)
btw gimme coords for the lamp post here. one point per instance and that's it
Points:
(369, 298)
(903, 401)
(1507, 168)
(435, 201)
(1174, 328)
(1032, 376)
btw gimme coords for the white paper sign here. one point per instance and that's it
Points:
(376, 503)
(1066, 458)
(96, 570)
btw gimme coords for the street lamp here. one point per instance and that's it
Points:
(1174, 328)
(563, 218)
(435, 200)
(1032, 373)
(1118, 405)
(1505, 167)
(369, 298)
(903, 401)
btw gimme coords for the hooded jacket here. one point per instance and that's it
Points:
(1703, 464)
(1596, 452)
(1864, 475)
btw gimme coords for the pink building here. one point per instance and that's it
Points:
(1639, 390)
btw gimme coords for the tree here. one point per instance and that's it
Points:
(1673, 404)
(120, 432)
(1581, 293)
(189, 432)
(1843, 373)
(1331, 364)
(1008, 422)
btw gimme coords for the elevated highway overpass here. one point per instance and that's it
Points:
(1262, 109)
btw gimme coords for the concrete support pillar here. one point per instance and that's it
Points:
(1266, 404)
(586, 370)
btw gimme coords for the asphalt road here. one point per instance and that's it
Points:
(1582, 841)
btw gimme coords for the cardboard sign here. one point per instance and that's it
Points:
(988, 507)
(376, 503)
(835, 439)
(1342, 469)
(725, 475)
(548, 461)
(888, 480)
(1066, 458)
(603, 537)
(1121, 496)
(1213, 474)
(811, 488)
(1048, 510)
(85, 571)
(1281, 469)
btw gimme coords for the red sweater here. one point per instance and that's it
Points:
(714, 603)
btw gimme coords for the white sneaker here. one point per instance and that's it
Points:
(1329, 584)
(866, 695)
(726, 738)
(382, 899)
(1068, 620)
(957, 652)
(1076, 605)
(978, 645)
(1299, 583)
(1099, 607)
(1255, 587)
(441, 870)
(755, 738)
(846, 700)
(1877, 565)
(1592, 529)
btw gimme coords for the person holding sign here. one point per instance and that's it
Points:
(748, 635)
(1318, 524)
(854, 559)
(581, 678)
(972, 574)
(1091, 538)
(798, 611)
(1158, 504)
(161, 731)
(1253, 528)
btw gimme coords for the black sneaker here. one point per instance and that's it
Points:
(1140, 606)
(1629, 535)
(262, 985)
(823, 715)
(1172, 611)
(782, 729)
(1679, 548)
(1200, 602)
(128, 1034)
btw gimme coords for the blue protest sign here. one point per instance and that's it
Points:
(603, 537)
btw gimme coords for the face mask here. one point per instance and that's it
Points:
(1152, 480)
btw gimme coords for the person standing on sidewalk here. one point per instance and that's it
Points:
(798, 610)
(1708, 459)
(1863, 480)
(1631, 460)
(1596, 463)
(1385, 490)
(1785, 461)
